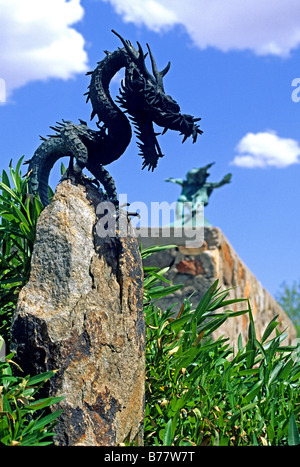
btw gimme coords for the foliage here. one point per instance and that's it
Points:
(19, 212)
(203, 392)
(288, 298)
(198, 391)
(22, 417)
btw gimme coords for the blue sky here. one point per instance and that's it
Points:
(234, 64)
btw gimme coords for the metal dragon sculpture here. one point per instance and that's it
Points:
(142, 96)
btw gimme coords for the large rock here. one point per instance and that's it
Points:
(81, 313)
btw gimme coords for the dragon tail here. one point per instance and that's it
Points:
(41, 164)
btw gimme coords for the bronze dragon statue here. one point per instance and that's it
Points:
(142, 96)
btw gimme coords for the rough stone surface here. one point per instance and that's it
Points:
(197, 271)
(82, 313)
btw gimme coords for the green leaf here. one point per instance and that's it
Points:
(159, 275)
(167, 435)
(241, 411)
(42, 403)
(254, 391)
(41, 377)
(161, 291)
(205, 301)
(14, 280)
(158, 409)
(185, 360)
(240, 343)
(19, 215)
(62, 168)
(5, 179)
(180, 322)
(47, 419)
(251, 344)
(221, 302)
(210, 326)
(269, 329)
(153, 249)
(18, 166)
(154, 277)
(13, 195)
(293, 432)
(16, 179)
(251, 371)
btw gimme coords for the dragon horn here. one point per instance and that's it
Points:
(158, 74)
(138, 59)
(165, 70)
(126, 45)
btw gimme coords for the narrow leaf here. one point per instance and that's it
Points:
(167, 436)
(293, 432)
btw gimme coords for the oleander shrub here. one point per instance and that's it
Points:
(23, 420)
(199, 391)
(24, 417)
(205, 392)
(19, 212)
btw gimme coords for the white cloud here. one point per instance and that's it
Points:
(155, 14)
(268, 27)
(38, 42)
(266, 149)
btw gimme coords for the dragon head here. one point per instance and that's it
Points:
(142, 95)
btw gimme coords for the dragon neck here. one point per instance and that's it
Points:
(118, 129)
